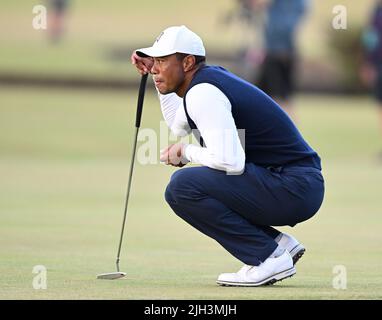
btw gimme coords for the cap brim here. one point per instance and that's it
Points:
(153, 52)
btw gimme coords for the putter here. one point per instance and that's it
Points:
(141, 95)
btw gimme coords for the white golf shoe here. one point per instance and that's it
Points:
(268, 272)
(288, 242)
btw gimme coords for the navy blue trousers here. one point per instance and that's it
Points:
(238, 211)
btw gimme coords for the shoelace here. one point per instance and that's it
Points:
(244, 269)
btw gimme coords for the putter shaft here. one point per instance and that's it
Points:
(127, 197)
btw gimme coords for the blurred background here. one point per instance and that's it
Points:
(67, 108)
(93, 40)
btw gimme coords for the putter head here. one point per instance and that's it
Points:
(111, 275)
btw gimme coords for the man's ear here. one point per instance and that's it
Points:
(189, 63)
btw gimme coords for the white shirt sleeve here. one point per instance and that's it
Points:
(174, 114)
(210, 109)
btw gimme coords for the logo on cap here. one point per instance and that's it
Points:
(160, 36)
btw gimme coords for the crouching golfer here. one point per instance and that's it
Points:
(246, 185)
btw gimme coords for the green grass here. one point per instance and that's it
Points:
(64, 163)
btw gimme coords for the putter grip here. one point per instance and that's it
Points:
(141, 96)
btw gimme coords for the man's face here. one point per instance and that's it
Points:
(168, 74)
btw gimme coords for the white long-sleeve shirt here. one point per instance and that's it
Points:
(210, 109)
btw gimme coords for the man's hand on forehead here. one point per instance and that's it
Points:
(143, 64)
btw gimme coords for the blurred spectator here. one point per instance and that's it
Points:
(57, 12)
(371, 70)
(277, 75)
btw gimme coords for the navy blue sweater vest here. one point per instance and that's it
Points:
(271, 138)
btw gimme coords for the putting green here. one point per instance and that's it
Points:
(64, 163)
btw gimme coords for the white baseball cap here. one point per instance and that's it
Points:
(172, 40)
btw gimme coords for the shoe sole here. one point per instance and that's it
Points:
(269, 281)
(297, 252)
